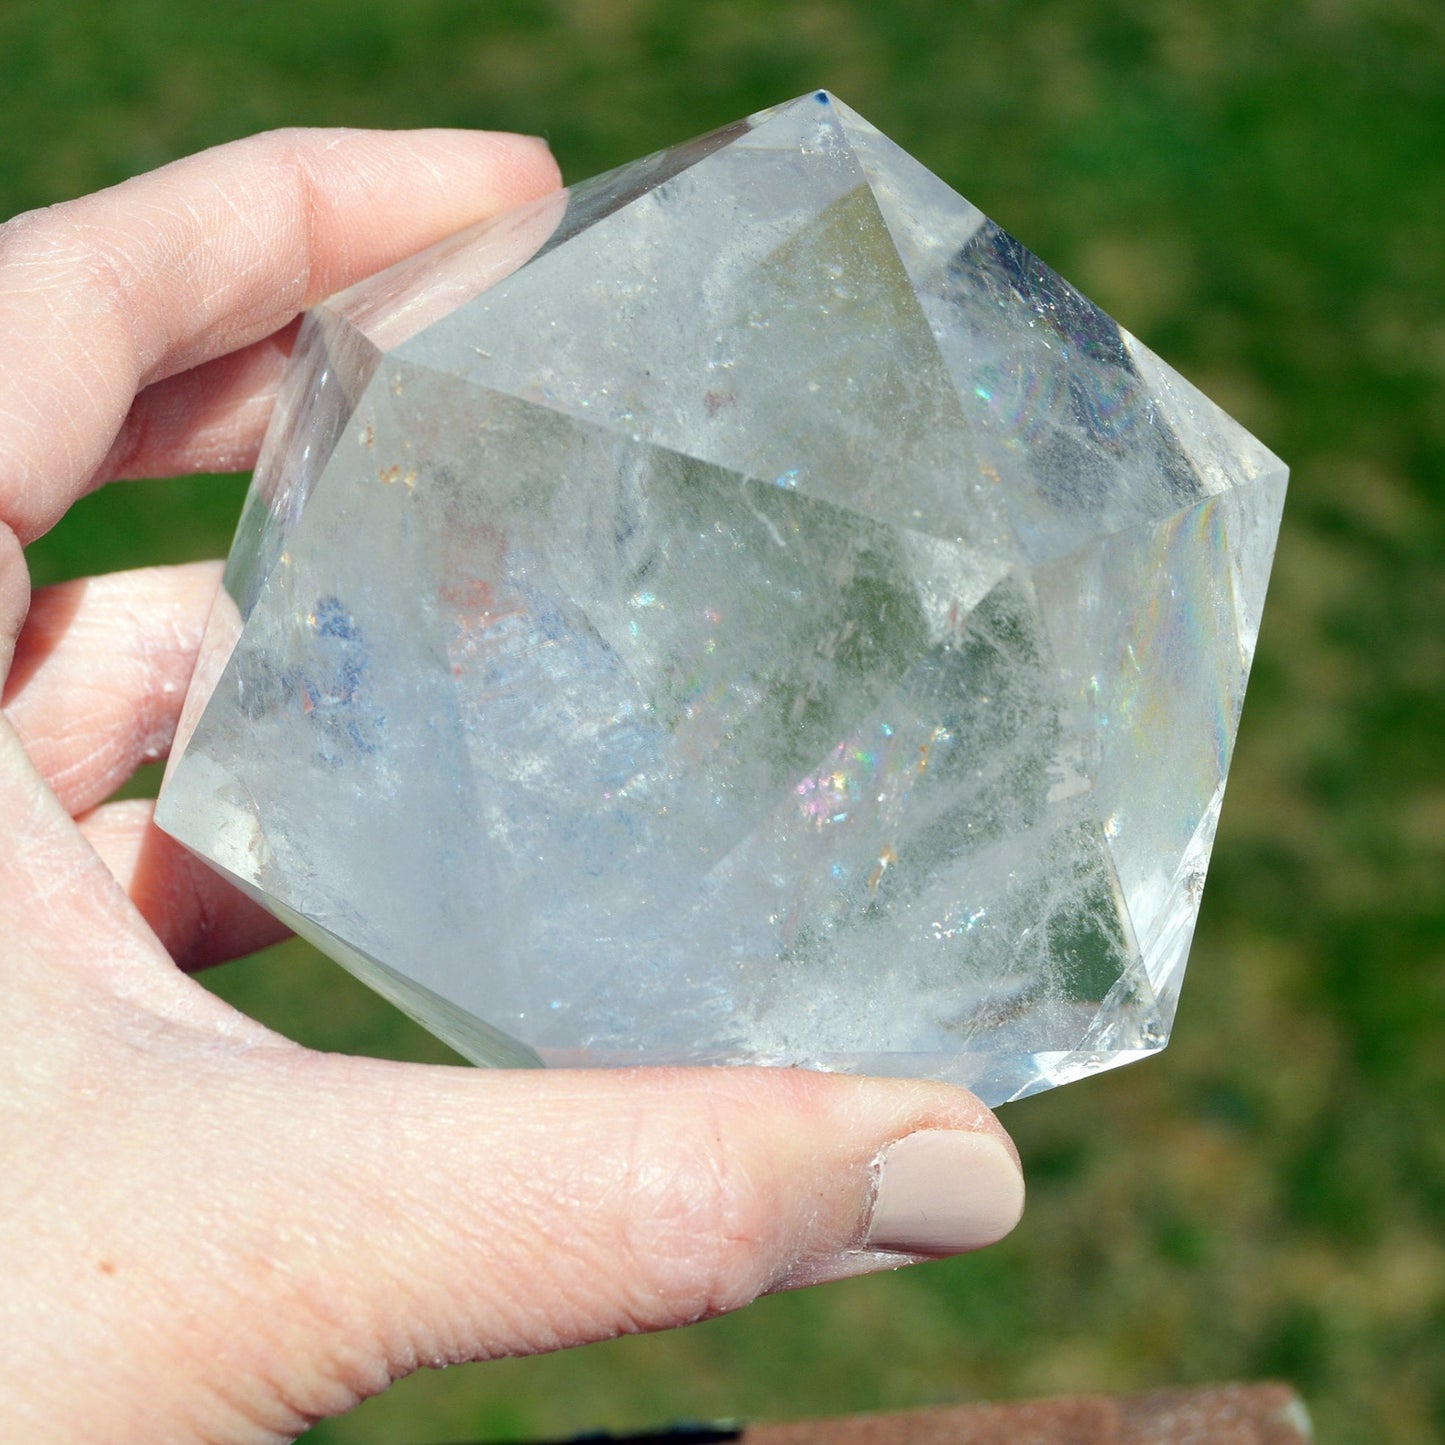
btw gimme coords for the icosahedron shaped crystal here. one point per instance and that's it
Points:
(746, 608)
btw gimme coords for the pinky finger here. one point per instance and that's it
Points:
(199, 917)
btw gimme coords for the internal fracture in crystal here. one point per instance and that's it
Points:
(744, 608)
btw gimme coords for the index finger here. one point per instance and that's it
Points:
(102, 296)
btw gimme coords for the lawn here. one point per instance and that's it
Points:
(1256, 190)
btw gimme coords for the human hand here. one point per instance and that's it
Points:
(208, 1232)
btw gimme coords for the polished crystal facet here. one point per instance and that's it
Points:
(745, 608)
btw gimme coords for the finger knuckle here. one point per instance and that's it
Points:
(73, 267)
(701, 1225)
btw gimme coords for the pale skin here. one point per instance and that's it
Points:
(207, 1232)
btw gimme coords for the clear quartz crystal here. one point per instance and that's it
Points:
(745, 608)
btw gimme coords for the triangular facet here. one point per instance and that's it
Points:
(929, 221)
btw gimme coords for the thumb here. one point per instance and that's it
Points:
(520, 1212)
(362, 1219)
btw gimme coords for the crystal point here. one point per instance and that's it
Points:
(746, 608)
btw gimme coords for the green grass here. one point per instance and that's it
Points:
(1256, 190)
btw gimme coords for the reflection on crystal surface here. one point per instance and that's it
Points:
(747, 609)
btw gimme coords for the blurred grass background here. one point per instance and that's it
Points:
(1256, 187)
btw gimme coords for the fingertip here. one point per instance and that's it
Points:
(478, 172)
(933, 1174)
(945, 1191)
(532, 168)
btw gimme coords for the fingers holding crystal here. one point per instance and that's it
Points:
(100, 672)
(211, 254)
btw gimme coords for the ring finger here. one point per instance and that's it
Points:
(100, 672)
